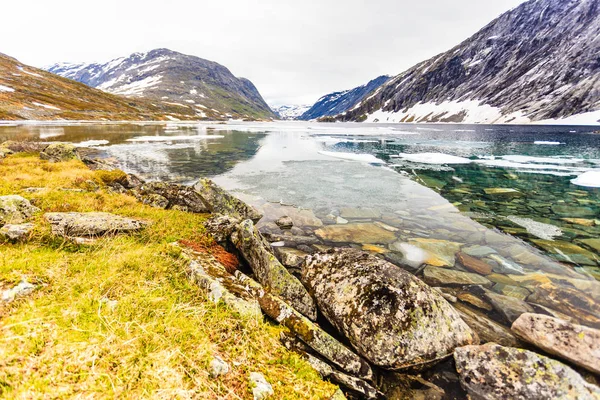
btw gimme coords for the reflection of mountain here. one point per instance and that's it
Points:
(186, 161)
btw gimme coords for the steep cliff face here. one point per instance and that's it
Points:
(173, 78)
(539, 61)
(339, 102)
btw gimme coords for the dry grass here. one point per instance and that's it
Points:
(120, 319)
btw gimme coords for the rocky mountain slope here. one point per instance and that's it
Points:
(339, 102)
(537, 62)
(290, 112)
(30, 93)
(165, 76)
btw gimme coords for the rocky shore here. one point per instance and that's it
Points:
(445, 321)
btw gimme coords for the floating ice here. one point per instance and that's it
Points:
(367, 158)
(543, 142)
(91, 143)
(588, 179)
(542, 160)
(173, 138)
(434, 158)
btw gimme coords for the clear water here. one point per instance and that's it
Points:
(505, 187)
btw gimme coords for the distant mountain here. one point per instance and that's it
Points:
(339, 102)
(30, 93)
(290, 112)
(173, 78)
(537, 62)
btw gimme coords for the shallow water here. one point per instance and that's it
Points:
(415, 194)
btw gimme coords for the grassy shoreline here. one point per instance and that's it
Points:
(120, 318)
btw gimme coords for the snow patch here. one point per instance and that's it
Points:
(588, 179)
(45, 106)
(173, 138)
(434, 158)
(6, 89)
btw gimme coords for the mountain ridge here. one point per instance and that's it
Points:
(170, 77)
(535, 62)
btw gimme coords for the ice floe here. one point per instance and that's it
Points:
(588, 179)
(366, 158)
(173, 138)
(434, 158)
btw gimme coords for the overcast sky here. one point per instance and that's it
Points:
(294, 51)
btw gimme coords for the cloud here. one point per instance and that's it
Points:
(293, 51)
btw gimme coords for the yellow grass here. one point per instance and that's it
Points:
(120, 319)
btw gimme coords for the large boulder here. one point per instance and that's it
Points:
(16, 232)
(218, 201)
(575, 343)
(23, 147)
(92, 224)
(389, 316)
(58, 152)
(269, 271)
(15, 210)
(177, 196)
(494, 372)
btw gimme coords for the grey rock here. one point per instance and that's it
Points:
(509, 307)
(478, 251)
(170, 195)
(504, 266)
(487, 329)
(218, 367)
(494, 372)
(15, 210)
(17, 232)
(24, 288)
(261, 389)
(577, 344)
(221, 227)
(218, 201)
(269, 271)
(58, 152)
(390, 317)
(291, 258)
(92, 224)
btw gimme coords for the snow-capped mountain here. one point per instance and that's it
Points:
(537, 62)
(339, 102)
(173, 78)
(30, 93)
(290, 112)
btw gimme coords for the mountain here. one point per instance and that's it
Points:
(537, 62)
(339, 102)
(30, 93)
(290, 112)
(173, 78)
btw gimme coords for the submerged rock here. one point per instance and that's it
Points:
(360, 213)
(494, 372)
(58, 152)
(219, 201)
(435, 276)
(361, 233)
(502, 192)
(568, 252)
(486, 329)
(16, 232)
(92, 224)
(269, 271)
(503, 266)
(571, 302)
(15, 210)
(575, 343)
(389, 316)
(442, 249)
(473, 264)
(509, 307)
(284, 222)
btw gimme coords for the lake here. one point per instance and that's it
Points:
(435, 199)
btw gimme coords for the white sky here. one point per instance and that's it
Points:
(293, 51)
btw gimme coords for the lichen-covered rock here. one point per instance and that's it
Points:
(389, 316)
(4, 151)
(58, 152)
(97, 159)
(221, 227)
(17, 232)
(494, 372)
(269, 271)
(218, 201)
(285, 222)
(15, 210)
(170, 195)
(92, 224)
(261, 389)
(24, 147)
(575, 343)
